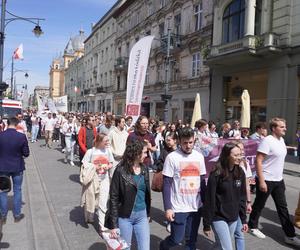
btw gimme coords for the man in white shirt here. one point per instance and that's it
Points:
(182, 173)
(117, 138)
(269, 169)
(49, 124)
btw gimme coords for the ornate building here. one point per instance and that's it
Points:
(256, 47)
(175, 71)
(74, 49)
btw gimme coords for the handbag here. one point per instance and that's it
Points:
(157, 182)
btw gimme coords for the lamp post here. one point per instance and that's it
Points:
(4, 22)
(14, 90)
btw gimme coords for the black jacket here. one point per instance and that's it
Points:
(123, 190)
(224, 199)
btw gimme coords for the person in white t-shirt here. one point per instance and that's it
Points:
(102, 158)
(49, 124)
(182, 173)
(270, 158)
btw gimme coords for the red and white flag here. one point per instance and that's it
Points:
(18, 53)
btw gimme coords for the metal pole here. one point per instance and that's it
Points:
(12, 78)
(2, 36)
(166, 109)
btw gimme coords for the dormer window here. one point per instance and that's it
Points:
(233, 21)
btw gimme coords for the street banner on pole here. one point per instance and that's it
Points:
(137, 67)
(61, 103)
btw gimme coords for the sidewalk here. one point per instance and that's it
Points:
(39, 229)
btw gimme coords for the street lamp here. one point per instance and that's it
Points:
(4, 22)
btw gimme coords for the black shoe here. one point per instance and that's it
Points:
(19, 218)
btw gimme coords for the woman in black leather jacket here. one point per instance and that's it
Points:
(129, 203)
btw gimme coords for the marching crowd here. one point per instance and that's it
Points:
(117, 158)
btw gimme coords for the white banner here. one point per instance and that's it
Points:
(45, 105)
(61, 103)
(137, 67)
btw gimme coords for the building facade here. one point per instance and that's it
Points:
(99, 65)
(59, 84)
(175, 71)
(56, 76)
(256, 47)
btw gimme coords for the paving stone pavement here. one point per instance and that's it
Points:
(54, 218)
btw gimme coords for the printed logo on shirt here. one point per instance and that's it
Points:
(99, 160)
(189, 178)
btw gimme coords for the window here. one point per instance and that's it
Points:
(118, 82)
(127, 48)
(233, 21)
(177, 24)
(161, 29)
(196, 65)
(258, 8)
(150, 8)
(147, 77)
(198, 16)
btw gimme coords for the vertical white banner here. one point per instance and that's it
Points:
(137, 67)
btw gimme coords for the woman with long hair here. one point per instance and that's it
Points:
(129, 203)
(225, 197)
(101, 158)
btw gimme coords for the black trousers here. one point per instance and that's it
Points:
(277, 190)
(62, 141)
(56, 134)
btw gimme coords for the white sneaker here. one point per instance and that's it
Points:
(63, 150)
(256, 232)
(295, 241)
(72, 164)
(65, 160)
(168, 227)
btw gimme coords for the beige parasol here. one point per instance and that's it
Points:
(197, 111)
(245, 112)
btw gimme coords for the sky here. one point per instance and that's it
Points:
(64, 18)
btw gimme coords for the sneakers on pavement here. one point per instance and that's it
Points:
(19, 218)
(72, 163)
(65, 160)
(256, 232)
(295, 241)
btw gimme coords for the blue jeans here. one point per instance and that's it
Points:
(138, 222)
(17, 179)
(223, 233)
(34, 132)
(185, 226)
(239, 236)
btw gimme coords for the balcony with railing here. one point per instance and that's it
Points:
(254, 44)
(121, 63)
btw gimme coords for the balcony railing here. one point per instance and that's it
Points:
(121, 63)
(251, 43)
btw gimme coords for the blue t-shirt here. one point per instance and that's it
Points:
(140, 203)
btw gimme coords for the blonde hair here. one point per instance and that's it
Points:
(273, 123)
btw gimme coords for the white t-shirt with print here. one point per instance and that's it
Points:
(185, 169)
(98, 156)
(275, 151)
